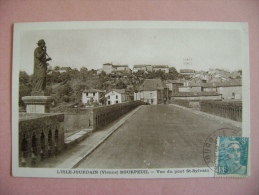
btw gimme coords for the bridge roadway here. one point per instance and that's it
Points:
(157, 136)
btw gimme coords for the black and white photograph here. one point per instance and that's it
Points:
(127, 99)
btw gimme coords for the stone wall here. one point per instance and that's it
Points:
(98, 117)
(40, 136)
(106, 114)
(185, 103)
(231, 110)
(78, 118)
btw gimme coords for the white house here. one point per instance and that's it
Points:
(116, 96)
(92, 95)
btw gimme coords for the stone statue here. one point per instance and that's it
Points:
(40, 69)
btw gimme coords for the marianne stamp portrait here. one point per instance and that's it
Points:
(130, 99)
(232, 156)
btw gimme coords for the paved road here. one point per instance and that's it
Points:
(157, 136)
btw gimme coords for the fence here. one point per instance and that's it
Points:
(231, 110)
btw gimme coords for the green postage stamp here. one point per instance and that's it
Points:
(232, 157)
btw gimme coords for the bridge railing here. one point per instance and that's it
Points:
(97, 117)
(106, 114)
(231, 110)
(40, 136)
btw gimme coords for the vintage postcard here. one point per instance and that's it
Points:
(130, 100)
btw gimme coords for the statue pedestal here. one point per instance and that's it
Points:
(37, 104)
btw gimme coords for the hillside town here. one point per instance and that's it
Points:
(153, 84)
(62, 106)
(90, 99)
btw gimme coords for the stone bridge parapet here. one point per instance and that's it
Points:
(231, 110)
(40, 136)
(98, 117)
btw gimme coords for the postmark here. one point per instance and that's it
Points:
(209, 147)
(232, 157)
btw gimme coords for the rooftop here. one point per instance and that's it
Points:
(195, 94)
(223, 84)
(152, 84)
(93, 90)
(175, 81)
(120, 65)
(160, 66)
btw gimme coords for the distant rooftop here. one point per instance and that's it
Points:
(93, 90)
(175, 81)
(120, 65)
(223, 84)
(152, 84)
(194, 94)
(160, 66)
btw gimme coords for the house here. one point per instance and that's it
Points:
(116, 96)
(109, 68)
(163, 68)
(174, 85)
(92, 95)
(152, 91)
(142, 68)
(190, 87)
(229, 90)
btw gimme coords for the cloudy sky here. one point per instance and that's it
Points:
(92, 47)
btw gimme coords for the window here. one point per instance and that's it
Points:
(116, 97)
(109, 102)
(117, 102)
(108, 97)
(93, 94)
(86, 94)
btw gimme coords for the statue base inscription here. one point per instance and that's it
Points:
(37, 104)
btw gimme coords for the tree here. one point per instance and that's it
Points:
(25, 86)
(23, 78)
(121, 85)
(56, 68)
(83, 73)
(173, 73)
(64, 90)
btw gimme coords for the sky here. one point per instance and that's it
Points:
(91, 48)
